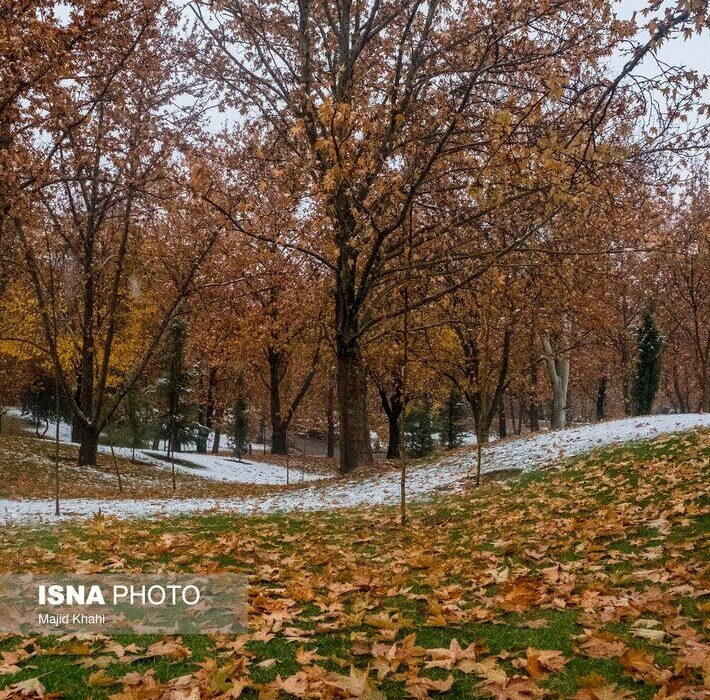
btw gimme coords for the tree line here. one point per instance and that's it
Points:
(329, 214)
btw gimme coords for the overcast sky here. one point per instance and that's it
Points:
(693, 53)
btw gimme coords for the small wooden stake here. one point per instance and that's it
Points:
(56, 447)
(479, 456)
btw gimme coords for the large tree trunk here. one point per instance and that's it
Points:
(279, 438)
(88, 446)
(207, 409)
(87, 434)
(626, 381)
(279, 429)
(280, 419)
(75, 422)
(217, 431)
(485, 404)
(393, 437)
(89, 437)
(557, 365)
(355, 447)
(625, 356)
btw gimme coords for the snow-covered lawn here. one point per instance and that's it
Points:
(522, 453)
(207, 466)
(219, 468)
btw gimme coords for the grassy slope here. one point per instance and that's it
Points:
(611, 544)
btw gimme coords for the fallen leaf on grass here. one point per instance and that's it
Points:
(420, 686)
(307, 656)
(519, 595)
(489, 669)
(641, 667)
(453, 658)
(596, 687)
(515, 688)
(534, 624)
(540, 662)
(645, 633)
(359, 685)
(31, 688)
(601, 645)
(100, 679)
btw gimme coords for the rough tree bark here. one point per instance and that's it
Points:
(355, 447)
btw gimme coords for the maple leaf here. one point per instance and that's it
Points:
(489, 669)
(515, 688)
(358, 685)
(420, 686)
(25, 689)
(596, 687)
(453, 658)
(519, 595)
(601, 645)
(540, 662)
(641, 667)
(305, 657)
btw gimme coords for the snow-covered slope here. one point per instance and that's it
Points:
(523, 453)
(207, 466)
(219, 468)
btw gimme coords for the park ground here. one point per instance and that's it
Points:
(263, 484)
(587, 580)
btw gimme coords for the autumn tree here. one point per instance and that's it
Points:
(684, 296)
(95, 242)
(456, 89)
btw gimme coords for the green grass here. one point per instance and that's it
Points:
(594, 520)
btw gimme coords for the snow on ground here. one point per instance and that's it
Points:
(521, 453)
(207, 466)
(220, 468)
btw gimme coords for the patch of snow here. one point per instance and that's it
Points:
(232, 470)
(206, 466)
(521, 453)
(64, 428)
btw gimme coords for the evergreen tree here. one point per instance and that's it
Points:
(449, 420)
(418, 429)
(240, 419)
(648, 365)
(176, 424)
(139, 418)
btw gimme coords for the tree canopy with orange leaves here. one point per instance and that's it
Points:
(490, 172)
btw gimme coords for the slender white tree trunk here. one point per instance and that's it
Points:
(557, 365)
